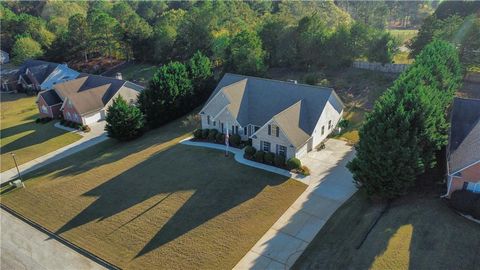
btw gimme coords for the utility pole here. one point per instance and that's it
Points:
(16, 165)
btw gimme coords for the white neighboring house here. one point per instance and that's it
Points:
(280, 117)
(4, 57)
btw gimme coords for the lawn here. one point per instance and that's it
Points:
(153, 203)
(355, 117)
(20, 134)
(418, 232)
(138, 73)
(403, 35)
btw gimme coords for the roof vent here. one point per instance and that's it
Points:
(118, 76)
(292, 81)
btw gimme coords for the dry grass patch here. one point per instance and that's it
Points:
(152, 203)
(20, 134)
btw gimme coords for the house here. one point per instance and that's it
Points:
(279, 117)
(4, 57)
(463, 152)
(84, 100)
(37, 75)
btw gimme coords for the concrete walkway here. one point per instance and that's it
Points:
(96, 135)
(24, 247)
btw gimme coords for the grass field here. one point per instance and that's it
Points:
(138, 73)
(20, 134)
(418, 232)
(155, 204)
(403, 36)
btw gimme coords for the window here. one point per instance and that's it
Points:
(245, 130)
(269, 130)
(329, 124)
(265, 146)
(236, 129)
(208, 119)
(281, 150)
(233, 129)
(277, 131)
(214, 123)
(323, 130)
(274, 128)
(222, 127)
(69, 116)
(44, 109)
(473, 187)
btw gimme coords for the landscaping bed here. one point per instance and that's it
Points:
(153, 203)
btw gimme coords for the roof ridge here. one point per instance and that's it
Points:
(280, 81)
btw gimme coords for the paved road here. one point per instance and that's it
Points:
(24, 247)
(330, 185)
(96, 135)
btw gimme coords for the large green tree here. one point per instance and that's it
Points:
(247, 54)
(25, 48)
(124, 121)
(200, 69)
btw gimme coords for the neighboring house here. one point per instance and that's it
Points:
(4, 57)
(463, 152)
(279, 117)
(85, 99)
(37, 75)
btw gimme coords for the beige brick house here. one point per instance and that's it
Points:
(279, 117)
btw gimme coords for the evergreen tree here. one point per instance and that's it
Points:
(200, 69)
(124, 121)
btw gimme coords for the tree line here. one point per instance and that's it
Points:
(244, 37)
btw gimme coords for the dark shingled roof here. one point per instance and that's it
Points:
(464, 141)
(51, 97)
(40, 69)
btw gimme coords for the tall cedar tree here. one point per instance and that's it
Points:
(168, 94)
(408, 124)
(200, 69)
(124, 122)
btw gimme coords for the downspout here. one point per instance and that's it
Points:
(449, 179)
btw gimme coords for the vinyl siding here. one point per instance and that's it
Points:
(262, 135)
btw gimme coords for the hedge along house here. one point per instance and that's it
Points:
(85, 99)
(37, 75)
(279, 117)
(463, 151)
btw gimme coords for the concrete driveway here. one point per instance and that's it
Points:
(24, 247)
(330, 185)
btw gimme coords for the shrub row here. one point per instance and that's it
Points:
(466, 202)
(215, 136)
(75, 125)
(277, 160)
(43, 120)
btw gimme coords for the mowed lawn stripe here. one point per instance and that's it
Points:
(153, 203)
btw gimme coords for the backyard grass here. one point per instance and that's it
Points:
(155, 204)
(355, 117)
(138, 73)
(403, 36)
(417, 232)
(20, 134)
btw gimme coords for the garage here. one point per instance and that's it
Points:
(93, 118)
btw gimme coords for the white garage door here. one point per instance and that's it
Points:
(93, 118)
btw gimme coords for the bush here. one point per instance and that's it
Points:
(197, 133)
(305, 170)
(258, 156)
(86, 128)
(250, 151)
(463, 200)
(212, 134)
(268, 158)
(220, 138)
(235, 140)
(321, 146)
(279, 160)
(38, 120)
(344, 123)
(294, 163)
(205, 133)
(62, 122)
(124, 121)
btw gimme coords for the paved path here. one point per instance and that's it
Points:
(330, 185)
(96, 135)
(24, 247)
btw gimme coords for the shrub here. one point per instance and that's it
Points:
(220, 138)
(321, 146)
(250, 151)
(37, 120)
(124, 121)
(268, 158)
(258, 156)
(62, 122)
(205, 133)
(305, 170)
(463, 200)
(279, 160)
(235, 139)
(294, 163)
(86, 128)
(212, 134)
(344, 123)
(197, 133)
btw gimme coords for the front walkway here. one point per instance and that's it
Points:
(96, 135)
(24, 247)
(329, 186)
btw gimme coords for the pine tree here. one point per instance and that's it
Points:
(124, 121)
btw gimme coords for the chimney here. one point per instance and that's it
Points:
(118, 76)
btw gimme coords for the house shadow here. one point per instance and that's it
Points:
(171, 173)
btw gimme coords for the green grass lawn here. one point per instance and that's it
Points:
(403, 36)
(138, 73)
(418, 232)
(355, 117)
(155, 204)
(20, 134)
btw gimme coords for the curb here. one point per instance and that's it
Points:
(60, 239)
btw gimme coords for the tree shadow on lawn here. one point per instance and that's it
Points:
(40, 133)
(219, 184)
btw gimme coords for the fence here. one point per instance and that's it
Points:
(392, 68)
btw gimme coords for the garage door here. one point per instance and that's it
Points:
(93, 118)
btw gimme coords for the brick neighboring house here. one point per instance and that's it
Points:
(85, 99)
(37, 75)
(280, 117)
(463, 152)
